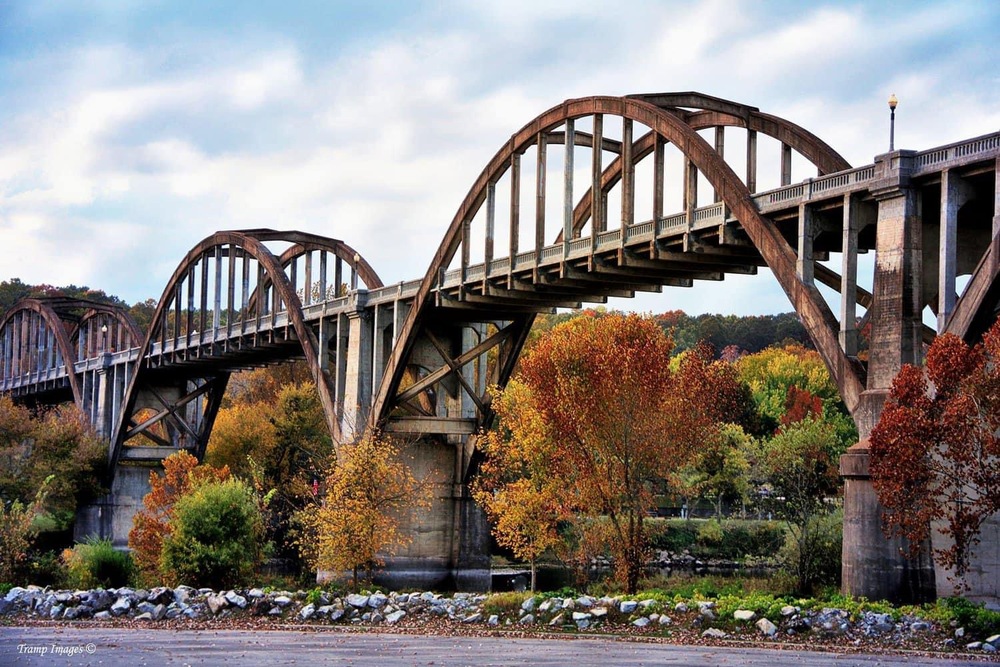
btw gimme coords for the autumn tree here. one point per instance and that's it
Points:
(17, 531)
(515, 484)
(800, 467)
(618, 419)
(58, 443)
(152, 524)
(936, 449)
(771, 374)
(369, 491)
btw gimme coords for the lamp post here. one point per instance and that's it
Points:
(104, 337)
(892, 122)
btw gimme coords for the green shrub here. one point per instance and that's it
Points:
(672, 535)
(820, 565)
(975, 618)
(5, 588)
(505, 603)
(730, 539)
(215, 536)
(97, 564)
(710, 534)
(48, 569)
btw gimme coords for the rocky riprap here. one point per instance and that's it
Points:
(695, 619)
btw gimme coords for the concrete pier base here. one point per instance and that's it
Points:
(110, 517)
(875, 566)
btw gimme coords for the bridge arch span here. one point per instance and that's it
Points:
(34, 341)
(666, 125)
(231, 303)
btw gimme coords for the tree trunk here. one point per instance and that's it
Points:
(534, 575)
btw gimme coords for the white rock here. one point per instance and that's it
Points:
(307, 612)
(744, 615)
(788, 610)
(121, 606)
(282, 600)
(528, 605)
(993, 639)
(714, 633)
(377, 600)
(236, 599)
(627, 606)
(580, 616)
(216, 603)
(545, 606)
(473, 618)
(357, 601)
(493, 620)
(681, 608)
(526, 619)
(646, 604)
(599, 612)
(558, 620)
(641, 622)
(766, 627)
(665, 620)
(583, 624)
(395, 617)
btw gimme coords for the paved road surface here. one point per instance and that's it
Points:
(74, 645)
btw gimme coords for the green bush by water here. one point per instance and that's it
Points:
(97, 564)
(730, 539)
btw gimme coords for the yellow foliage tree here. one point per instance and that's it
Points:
(368, 493)
(514, 485)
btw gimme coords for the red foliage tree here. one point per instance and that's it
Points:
(936, 449)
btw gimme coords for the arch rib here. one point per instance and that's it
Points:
(251, 243)
(62, 339)
(819, 320)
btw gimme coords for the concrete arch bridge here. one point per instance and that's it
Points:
(596, 197)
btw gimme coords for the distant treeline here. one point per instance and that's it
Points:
(727, 333)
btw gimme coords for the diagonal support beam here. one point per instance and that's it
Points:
(433, 378)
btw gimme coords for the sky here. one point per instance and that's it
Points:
(130, 130)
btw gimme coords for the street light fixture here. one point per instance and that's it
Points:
(892, 122)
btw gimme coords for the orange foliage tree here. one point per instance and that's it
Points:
(181, 475)
(617, 419)
(936, 449)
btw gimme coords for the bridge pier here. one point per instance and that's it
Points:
(110, 517)
(874, 566)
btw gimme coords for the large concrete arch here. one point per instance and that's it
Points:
(667, 127)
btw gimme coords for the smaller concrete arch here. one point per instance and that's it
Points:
(110, 328)
(19, 336)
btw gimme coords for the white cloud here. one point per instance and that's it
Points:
(377, 142)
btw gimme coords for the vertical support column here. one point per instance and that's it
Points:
(786, 164)
(657, 182)
(597, 222)
(570, 145)
(540, 198)
(947, 249)
(873, 566)
(804, 267)
(491, 217)
(752, 160)
(628, 178)
(849, 280)
(690, 191)
(515, 205)
(358, 375)
(720, 148)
